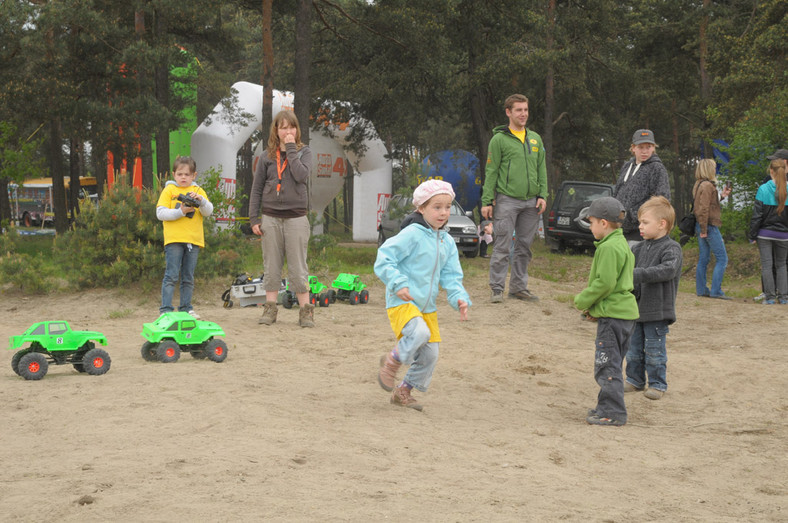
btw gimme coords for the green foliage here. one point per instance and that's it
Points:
(27, 273)
(736, 223)
(121, 242)
(763, 129)
(224, 206)
(328, 258)
(18, 156)
(118, 243)
(8, 241)
(222, 255)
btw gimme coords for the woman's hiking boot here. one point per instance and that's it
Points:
(387, 375)
(269, 314)
(306, 315)
(401, 397)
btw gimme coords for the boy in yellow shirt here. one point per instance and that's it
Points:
(183, 232)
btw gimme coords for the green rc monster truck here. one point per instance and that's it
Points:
(319, 294)
(55, 342)
(349, 287)
(174, 332)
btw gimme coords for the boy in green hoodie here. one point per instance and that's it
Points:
(609, 301)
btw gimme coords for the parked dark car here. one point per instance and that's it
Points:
(461, 225)
(563, 228)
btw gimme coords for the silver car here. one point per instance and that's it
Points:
(461, 225)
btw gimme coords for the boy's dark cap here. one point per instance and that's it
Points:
(643, 136)
(604, 208)
(484, 223)
(779, 154)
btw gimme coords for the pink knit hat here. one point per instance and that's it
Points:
(430, 188)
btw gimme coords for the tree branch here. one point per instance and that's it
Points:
(359, 23)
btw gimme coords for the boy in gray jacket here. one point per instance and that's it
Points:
(640, 178)
(656, 279)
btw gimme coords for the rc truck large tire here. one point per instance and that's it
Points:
(96, 362)
(148, 351)
(168, 351)
(288, 300)
(353, 298)
(76, 360)
(15, 360)
(363, 297)
(324, 299)
(33, 366)
(332, 296)
(216, 350)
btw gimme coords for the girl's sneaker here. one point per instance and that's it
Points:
(387, 374)
(401, 397)
(768, 302)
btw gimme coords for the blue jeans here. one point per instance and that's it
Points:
(415, 349)
(179, 258)
(711, 244)
(648, 355)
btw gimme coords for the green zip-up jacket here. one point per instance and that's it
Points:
(609, 291)
(515, 168)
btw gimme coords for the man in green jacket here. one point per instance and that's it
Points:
(515, 186)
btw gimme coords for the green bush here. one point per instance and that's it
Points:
(27, 273)
(121, 242)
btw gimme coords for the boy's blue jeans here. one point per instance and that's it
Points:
(711, 244)
(180, 258)
(648, 355)
(415, 349)
(612, 343)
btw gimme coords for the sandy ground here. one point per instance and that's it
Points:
(293, 426)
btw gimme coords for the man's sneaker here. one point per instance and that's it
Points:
(596, 420)
(401, 397)
(306, 315)
(194, 314)
(524, 295)
(497, 297)
(269, 314)
(628, 387)
(768, 302)
(387, 375)
(654, 394)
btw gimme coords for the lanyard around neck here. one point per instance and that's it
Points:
(280, 168)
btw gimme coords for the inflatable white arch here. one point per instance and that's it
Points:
(216, 145)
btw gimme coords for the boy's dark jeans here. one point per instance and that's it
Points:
(612, 343)
(648, 355)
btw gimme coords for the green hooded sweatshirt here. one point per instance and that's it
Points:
(609, 291)
(515, 168)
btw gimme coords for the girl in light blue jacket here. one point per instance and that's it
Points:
(414, 264)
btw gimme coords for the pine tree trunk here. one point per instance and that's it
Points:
(303, 60)
(162, 92)
(58, 184)
(268, 71)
